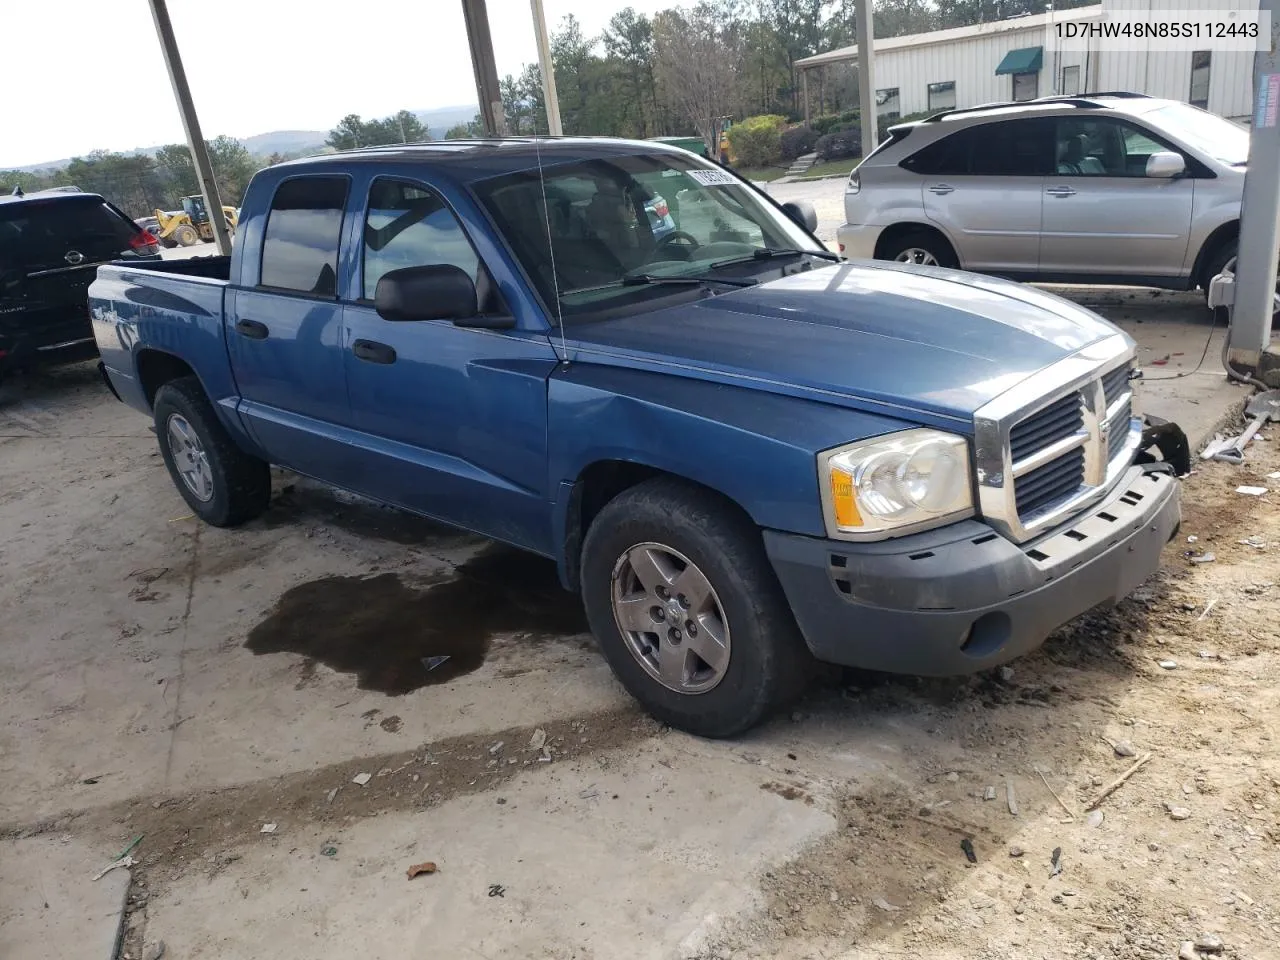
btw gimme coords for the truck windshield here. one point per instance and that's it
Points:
(596, 226)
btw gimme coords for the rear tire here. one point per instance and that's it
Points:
(743, 657)
(922, 247)
(186, 236)
(223, 485)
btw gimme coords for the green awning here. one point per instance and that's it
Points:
(1024, 60)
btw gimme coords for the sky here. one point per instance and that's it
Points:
(270, 65)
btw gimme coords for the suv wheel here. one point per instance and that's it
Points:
(687, 610)
(921, 247)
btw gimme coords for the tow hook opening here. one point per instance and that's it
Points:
(987, 635)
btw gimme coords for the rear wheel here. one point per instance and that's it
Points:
(222, 484)
(922, 247)
(682, 599)
(186, 236)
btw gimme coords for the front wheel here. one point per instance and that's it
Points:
(687, 610)
(223, 485)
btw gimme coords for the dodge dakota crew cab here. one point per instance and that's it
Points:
(743, 455)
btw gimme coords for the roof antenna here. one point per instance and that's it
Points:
(551, 251)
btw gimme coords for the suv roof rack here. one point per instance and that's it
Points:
(1084, 101)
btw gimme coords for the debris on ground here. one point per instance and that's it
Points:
(362, 778)
(330, 795)
(1188, 951)
(885, 905)
(1117, 783)
(497, 890)
(1167, 664)
(1010, 797)
(1095, 819)
(496, 748)
(1192, 539)
(1207, 607)
(156, 951)
(133, 845)
(1016, 852)
(1178, 813)
(538, 740)
(588, 793)
(967, 846)
(431, 663)
(329, 851)
(1006, 674)
(1062, 803)
(1122, 748)
(1206, 557)
(1055, 862)
(123, 863)
(989, 793)
(268, 828)
(419, 869)
(1209, 943)
(1255, 541)
(1250, 491)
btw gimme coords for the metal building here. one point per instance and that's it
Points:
(1024, 58)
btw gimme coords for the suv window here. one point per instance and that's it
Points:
(409, 226)
(1011, 148)
(1103, 147)
(46, 234)
(300, 244)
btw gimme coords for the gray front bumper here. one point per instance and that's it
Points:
(963, 598)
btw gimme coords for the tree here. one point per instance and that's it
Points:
(628, 41)
(353, 132)
(465, 131)
(348, 134)
(697, 66)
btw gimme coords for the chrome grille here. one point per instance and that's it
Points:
(1050, 484)
(1060, 419)
(1040, 462)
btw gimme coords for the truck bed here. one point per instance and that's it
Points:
(211, 268)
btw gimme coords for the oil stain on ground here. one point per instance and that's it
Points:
(389, 634)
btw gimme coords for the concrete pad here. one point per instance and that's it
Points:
(652, 849)
(51, 908)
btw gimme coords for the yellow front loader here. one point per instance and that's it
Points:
(190, 225)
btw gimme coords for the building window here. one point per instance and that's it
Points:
(1026, 86)
(1070, 81)
(1200, 62)
(942, 96)
(888, 104)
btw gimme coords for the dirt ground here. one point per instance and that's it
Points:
(190, 686)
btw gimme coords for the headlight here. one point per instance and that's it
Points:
(893, 485)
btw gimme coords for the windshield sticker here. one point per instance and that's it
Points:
(713, 178)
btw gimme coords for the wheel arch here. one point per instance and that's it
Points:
(1226, 233)
(156, 368)
(894, 234)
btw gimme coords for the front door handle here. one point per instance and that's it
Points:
(373, 352)
(1060, 192)
(942, 189)
(252, 329)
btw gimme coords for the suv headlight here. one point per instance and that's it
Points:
(894, 485)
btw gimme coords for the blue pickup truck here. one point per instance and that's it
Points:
(744, 456)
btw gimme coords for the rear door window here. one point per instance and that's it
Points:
(40, 234)
(300, 244)
(1009, 148)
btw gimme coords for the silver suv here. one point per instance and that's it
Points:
(1106, 188)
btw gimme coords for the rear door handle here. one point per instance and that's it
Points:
(252, 329)
(942, 189)
(1060, 192)
(373, 352)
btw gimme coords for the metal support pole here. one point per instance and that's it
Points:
(548, 70)
(1259, 245)
(486, 69)
(195, 139)
(866, 75)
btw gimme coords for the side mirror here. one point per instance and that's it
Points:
(803, 213)
(433, 292)
(1166, 164)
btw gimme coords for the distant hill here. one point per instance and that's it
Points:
(438, 120)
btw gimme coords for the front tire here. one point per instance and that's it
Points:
(186, 236)
(921, 247)
(687, 610)
(223, 485)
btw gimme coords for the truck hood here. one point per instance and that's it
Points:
(897, 335)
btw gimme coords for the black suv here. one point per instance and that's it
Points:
(51, 244)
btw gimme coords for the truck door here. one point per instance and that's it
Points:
(450, 421)
(284, 329)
